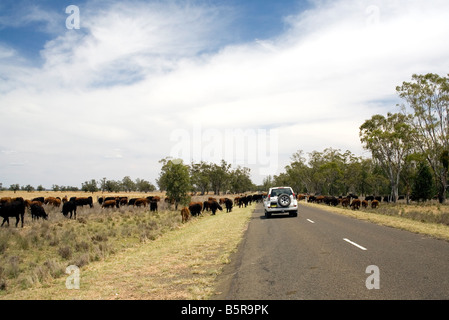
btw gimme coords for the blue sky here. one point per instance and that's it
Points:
(249, 81)
(29, 24)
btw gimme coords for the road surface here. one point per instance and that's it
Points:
(323, 255)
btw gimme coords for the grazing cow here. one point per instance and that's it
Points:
(375, 204)
(110, 204)
(195, 208)
(82, 201)
(53, 201)
(41, 199)
(330, 201)
(214, 205)
(123, 201)
(365, 203)
(37, 211)
(141, 201)
(206, 205)
(345, 202)
(185, 214)
(243, 201)
(355, 205)
(69, 206)
(14, 208)
(228, 204)
(257, 197)
(153, 205)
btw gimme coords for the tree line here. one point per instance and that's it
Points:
(336, 173)
(103, 185)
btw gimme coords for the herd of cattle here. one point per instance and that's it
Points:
(16, 207)
(351, 201)
(211, 204)
(11, 207)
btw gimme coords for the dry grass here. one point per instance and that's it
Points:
(430, 219)
(180, 262)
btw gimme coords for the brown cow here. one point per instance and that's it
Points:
(5, 200)
(141, 201)
(185, 214)
(375, 204)
(53, 201)
(110, 204)
(365, 204)
(345, 202)
(355, 205)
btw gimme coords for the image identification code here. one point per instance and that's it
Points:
(234, 309)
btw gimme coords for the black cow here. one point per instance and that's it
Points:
(69, 206)
(41, 199)
(331, 201)
(228, 204)
(82, 201)
(153, 205)
(37, 212)
(195, 209)
(15, 208)
(243, 201)
(214, 205)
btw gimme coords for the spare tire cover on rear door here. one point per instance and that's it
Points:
(284, 200)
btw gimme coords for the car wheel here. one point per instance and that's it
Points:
(267, 214)
(293, 213)
(284, 200)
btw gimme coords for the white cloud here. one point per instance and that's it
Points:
(108, 97)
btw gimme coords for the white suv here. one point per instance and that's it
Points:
(281, 200)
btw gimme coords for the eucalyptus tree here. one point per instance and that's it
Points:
(174, 178)
(240, 180)
(219, 176)
(422, 188)
(300, 178)
(390, 141)
(427, 102)
(200, 176)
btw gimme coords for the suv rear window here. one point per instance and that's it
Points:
(278, 191)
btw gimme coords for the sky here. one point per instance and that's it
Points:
(107, 88)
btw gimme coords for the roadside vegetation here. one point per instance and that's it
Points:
(41, 251)
(430, 218)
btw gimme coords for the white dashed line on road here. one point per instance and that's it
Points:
(311, 221)
(354, 244)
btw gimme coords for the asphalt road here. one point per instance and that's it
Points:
(323, 255)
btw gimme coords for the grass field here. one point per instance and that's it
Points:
(122, 254)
